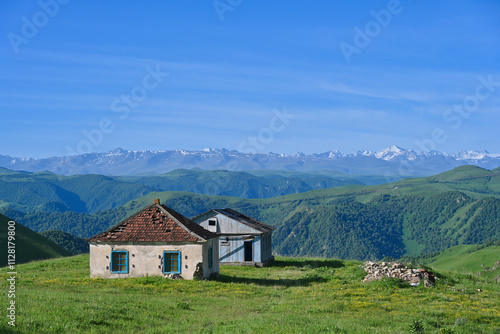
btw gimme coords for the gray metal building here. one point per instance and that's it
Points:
(242, 239)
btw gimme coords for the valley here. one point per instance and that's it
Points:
(409, 217)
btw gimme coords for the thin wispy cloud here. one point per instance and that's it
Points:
(225, 78)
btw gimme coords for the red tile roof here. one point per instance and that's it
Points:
(155, 223)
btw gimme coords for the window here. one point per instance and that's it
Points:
(172, 262)
(210, 258)
(119, 262)
(212, 222)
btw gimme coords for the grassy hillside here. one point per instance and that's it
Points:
(407, 217)
(291, 296)
(471, 259)
(247, 184)
(48, 192)
(473, 181)
(29, 245)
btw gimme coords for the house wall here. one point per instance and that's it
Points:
(237, 233)
(266, 246)
(214, 243)
(225, 225)
(146, 258)
(234, 250)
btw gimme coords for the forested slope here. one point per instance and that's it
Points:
(408, 217)
(48, 192)
(25, 245)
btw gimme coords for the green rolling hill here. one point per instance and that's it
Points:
(468, 259)
(68, 241)
(48, 192)
(247, 184)
(407, 217)
(29, 245)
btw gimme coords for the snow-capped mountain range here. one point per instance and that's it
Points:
(392, 161)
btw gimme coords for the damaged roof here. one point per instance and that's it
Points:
(242, 218)
(155, 223)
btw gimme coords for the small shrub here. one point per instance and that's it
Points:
(417, 327)
(306, 267)
(183, 306)
(312, 277)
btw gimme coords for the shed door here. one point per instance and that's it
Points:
(248, 251)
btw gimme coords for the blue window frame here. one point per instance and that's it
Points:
(119, 262)
(171, 262)
(210, 258)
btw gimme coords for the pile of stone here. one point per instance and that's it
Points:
(495, 266)
(376, 271)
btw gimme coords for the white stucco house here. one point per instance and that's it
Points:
(155, 241)
(242, 239)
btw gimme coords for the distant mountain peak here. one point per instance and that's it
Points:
(384, 162)
(393, 152)
(118, 150)
(473, 155)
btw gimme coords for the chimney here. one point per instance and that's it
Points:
(156, 201)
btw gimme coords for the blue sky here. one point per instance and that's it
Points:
(280, 76)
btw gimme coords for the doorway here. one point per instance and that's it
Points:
(248, 251)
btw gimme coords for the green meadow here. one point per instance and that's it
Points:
(294, 295)
(470, 259)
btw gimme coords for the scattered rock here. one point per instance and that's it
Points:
(173, 276)
(376, 271)
(495, 267)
